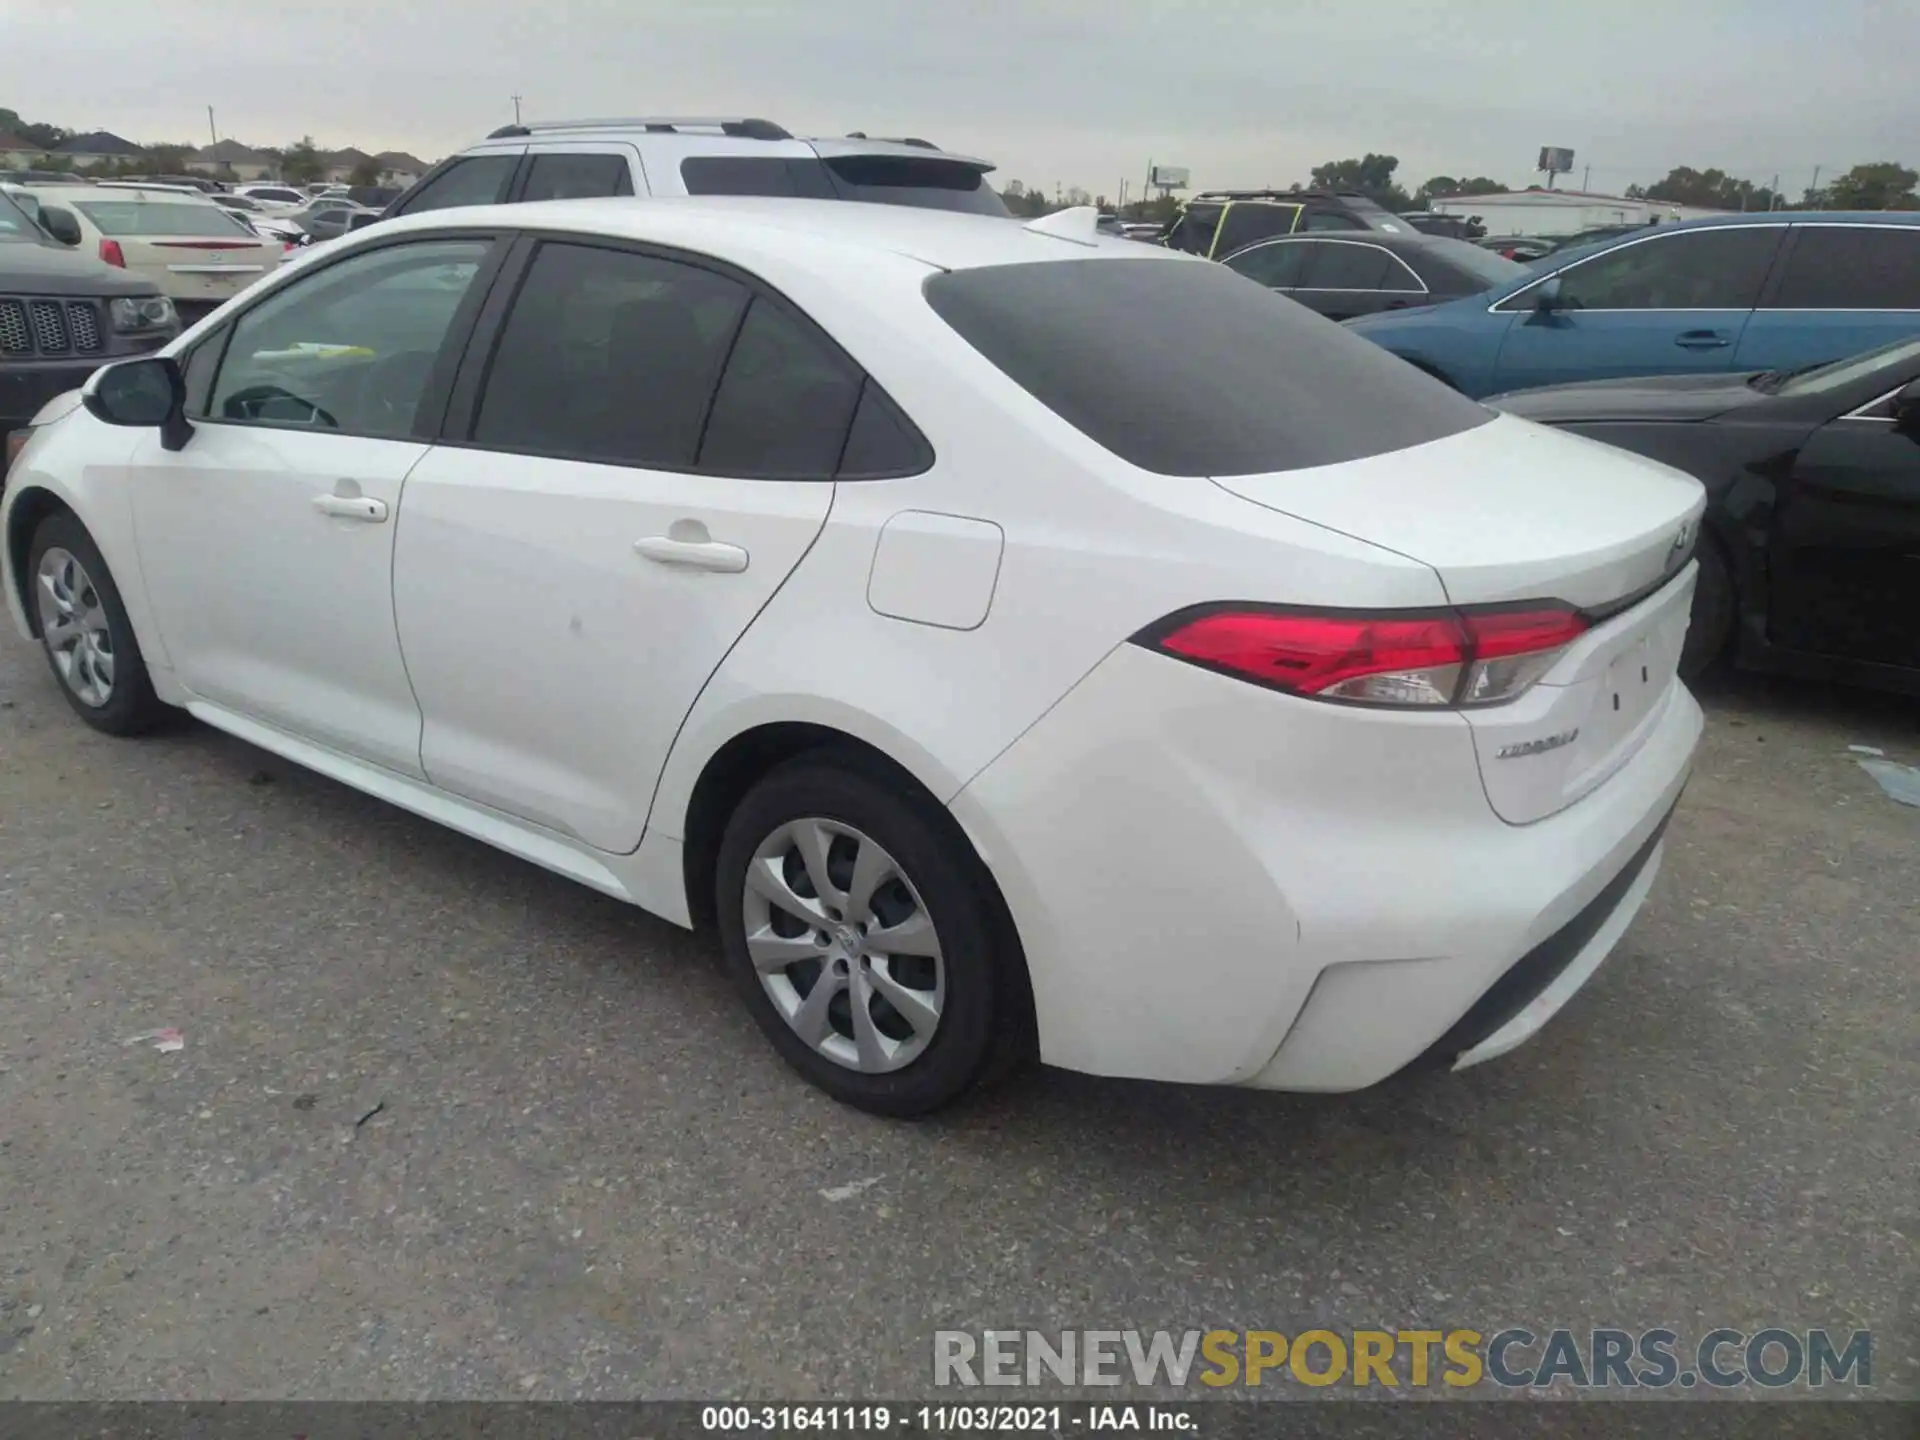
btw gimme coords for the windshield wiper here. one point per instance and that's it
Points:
(1772, 380)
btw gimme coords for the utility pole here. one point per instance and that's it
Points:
(1814, 189)
(516, 109)
(1773, 202)
(213, 136)
(1585, 176)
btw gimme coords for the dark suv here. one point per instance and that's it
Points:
(1215, 223)
(63, 315)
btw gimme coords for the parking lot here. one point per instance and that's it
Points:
(446, 1125)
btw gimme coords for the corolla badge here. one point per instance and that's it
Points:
(1537, 747)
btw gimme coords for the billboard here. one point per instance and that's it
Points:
(1170, 177)
(1554, 160)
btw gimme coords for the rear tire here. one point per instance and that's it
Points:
(85, 632)
(887, 868)
(1710, 627)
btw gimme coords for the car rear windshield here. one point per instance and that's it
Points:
(159, 217)
(1185, 368)
(932, 183)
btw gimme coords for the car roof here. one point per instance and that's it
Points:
(123, 191)
(944, 239)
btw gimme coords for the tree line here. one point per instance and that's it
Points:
(1880, 185)
(299, 163)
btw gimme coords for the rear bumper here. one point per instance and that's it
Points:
(1220, 886)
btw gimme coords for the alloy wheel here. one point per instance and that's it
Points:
(73, 622)
(843, 945)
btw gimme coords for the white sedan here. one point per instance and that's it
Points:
(1010, 639)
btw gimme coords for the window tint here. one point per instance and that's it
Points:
(577, 177)
(755, 175)
(930, 183)
(1331, 220)
(882, 442)
(1717, 269)
(1277, 265)
(351, 347)
(473, 180)
(1183, 369)
(784, 403)
(1839, 267)
(1347, 267)
(1193, 232)
(1246, 224)
(609, 356)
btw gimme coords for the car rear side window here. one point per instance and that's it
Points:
(883, 442)
(1277, 265)
(470, 180)
(609, 356)
(1246, 223)
(577, 177)
(784, 403)
(1182, 369)
(1708, 269)
(1852, 267)
(1348, 267)
(787, 179)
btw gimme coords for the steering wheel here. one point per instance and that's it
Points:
(251, 402)
(391, 388)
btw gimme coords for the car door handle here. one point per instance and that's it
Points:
(352, 507)
(693, 554)
(1702, 340)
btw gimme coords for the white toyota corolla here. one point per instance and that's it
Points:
(1007, 637)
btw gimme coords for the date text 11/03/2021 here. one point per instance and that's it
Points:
(945, 1419)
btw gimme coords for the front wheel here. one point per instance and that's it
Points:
(85, 632)
(862, 935)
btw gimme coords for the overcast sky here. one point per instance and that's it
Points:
(1054, 91)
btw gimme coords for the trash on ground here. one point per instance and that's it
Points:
(1866, 750)
(165, 1041)
(837, 1193)
(1901, 782)
(370, 1114)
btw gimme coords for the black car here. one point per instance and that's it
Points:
(1215, 223)
(1810, 560)
(1448, 227)
(62, 315)
(1524, 248)
(1342, 276)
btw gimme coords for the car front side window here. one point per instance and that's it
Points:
(1276, 265)
(351, 348)
(1707, 269)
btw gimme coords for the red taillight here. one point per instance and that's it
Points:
(111, 252)
(1420, 658)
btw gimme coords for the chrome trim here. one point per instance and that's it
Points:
(1861, 412)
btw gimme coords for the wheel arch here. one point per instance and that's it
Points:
(28, 510)
(740, 762)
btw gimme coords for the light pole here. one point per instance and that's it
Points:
(516, 109)
(213, 136)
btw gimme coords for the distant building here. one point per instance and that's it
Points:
(230, 160)
(19, 153)
(340, 165)
(399, 168)
(1561, 212)
(100, 145)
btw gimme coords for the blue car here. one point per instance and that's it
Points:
(1774, 291)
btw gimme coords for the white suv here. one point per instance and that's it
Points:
(589, 159)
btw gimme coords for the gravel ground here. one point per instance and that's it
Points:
(445, 1125)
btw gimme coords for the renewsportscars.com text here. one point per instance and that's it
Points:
(1512, 1358)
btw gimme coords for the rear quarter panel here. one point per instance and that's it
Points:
(1788, 339)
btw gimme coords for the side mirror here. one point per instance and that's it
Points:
(142, 394)
(361, 220)
(60, 225)
(1546, 295)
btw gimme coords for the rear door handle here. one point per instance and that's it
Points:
(352, 507)
(693, 554)
(1702, 339)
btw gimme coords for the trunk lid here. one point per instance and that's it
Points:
(1512, 511)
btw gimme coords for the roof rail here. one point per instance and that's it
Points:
(913, 140)
(744, 127)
